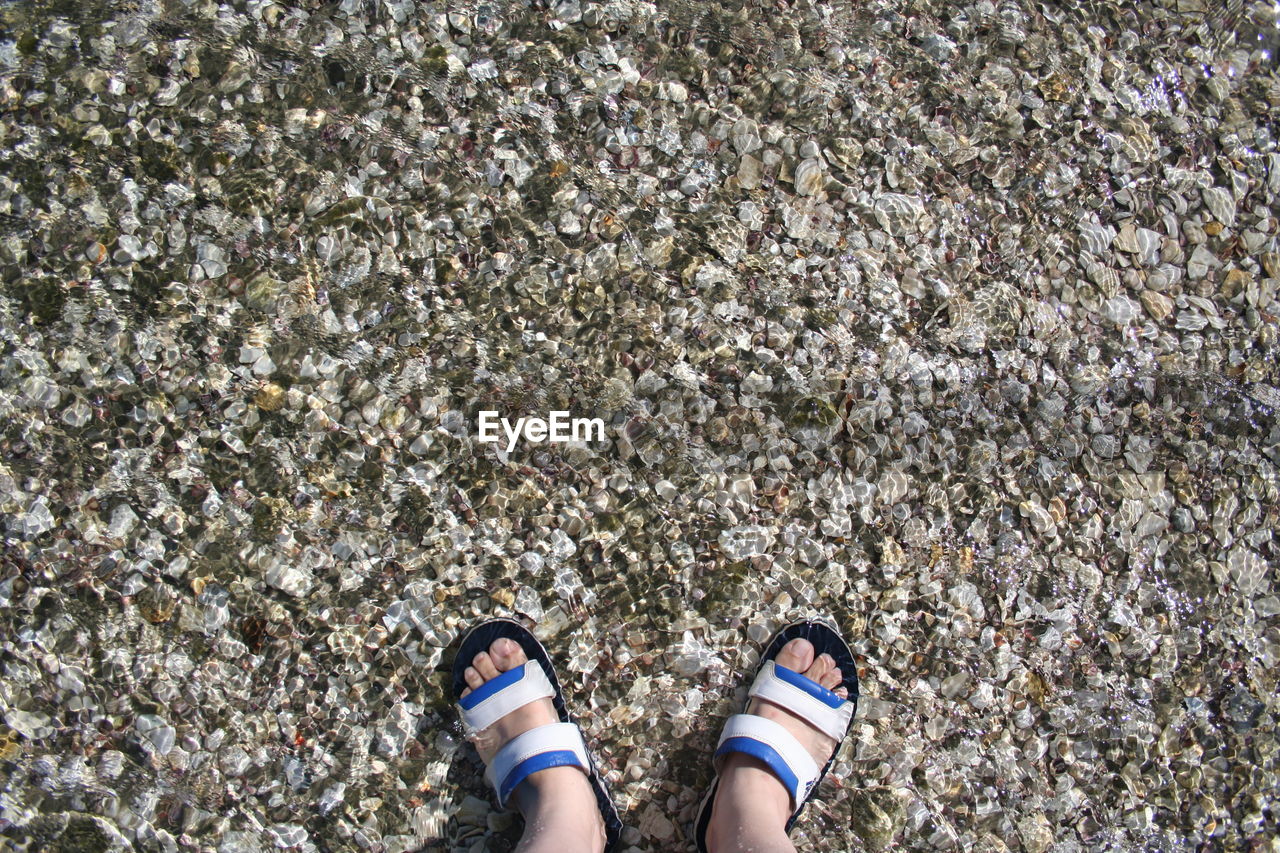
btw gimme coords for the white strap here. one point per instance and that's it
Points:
(559, 745)
(805, 698)
(518, 690)
(780, 744)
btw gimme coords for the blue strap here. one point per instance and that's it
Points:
(805, 698)
(490, 687)
(808, 685)
(552, 745)
(772, 759)
(776, 747)
(526, 768)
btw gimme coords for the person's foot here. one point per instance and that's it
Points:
(749, 795)
(558, 801)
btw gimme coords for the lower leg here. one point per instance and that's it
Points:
(752, 807)
(749, 813)
(558, 804)
(560, 814)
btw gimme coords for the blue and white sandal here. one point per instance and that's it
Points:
(771, 742)
(553, 745)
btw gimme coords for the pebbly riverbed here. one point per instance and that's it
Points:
(954, 321)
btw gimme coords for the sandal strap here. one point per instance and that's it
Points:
(773, 744)
(552, 745)
(499, 696)
(821, 708)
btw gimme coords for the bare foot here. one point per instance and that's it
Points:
(503, 655)
(797, 655)
(750, 800)
(558, 804)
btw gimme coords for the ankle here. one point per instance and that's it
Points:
(750, 803)
(749, 780)
(561, 802)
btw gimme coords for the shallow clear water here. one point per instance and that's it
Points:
(957, 324)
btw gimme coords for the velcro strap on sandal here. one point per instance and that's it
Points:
(499, 696)
(771, 743)
(552, 745)
(805, 698)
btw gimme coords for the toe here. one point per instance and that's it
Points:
(831, 673)
(507, 654)
(472, 678)
(796, 655)
(484, 665)
(820, 667)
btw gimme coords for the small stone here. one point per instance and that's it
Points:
(898, 214)
(876, 816)
(809, 177)
(745, 541)
(674, 91)
(288, 577)
(157, 603)
(1201, 261)
(472, 811)
(1126, 240)
(1120, 309)
(1220, 204)
(270, 397)
(123, 519)
(130, 248)
(157, 731)
(893, 486)
(745, 136)
(1095, 238)
(1182, 519)
(1036, 833)
(953, 685)
(654, 824)
(1248, 570)
(1235, 282)
(1157, 305)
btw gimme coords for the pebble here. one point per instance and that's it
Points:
(750, 173)
(899, 214)
(1157, 305)
(809, 177)
(1220, 205)
(159, 733)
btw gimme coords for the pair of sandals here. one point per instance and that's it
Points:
(561, 744)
